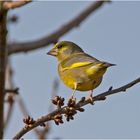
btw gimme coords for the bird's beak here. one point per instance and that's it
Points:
(109, 64)
(52, 52)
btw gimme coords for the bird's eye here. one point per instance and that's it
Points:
(60, 46)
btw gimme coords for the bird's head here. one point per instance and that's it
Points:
(64, 49)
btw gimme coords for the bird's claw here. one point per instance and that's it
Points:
(90, 98)
(72, 98)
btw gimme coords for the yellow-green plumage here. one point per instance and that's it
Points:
(78, 70)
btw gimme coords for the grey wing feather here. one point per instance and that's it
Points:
(80, 57)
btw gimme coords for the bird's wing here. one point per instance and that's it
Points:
(78, 60)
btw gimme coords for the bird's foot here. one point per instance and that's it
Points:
(72, 97)
(90, 98)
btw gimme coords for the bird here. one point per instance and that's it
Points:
(77, 69)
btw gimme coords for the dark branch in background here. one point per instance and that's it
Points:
(3, 58)
(57, 114)
(15, 4)
(54, 37)
(4, 7)
(10, 101)
(9, 94)
(15, 91)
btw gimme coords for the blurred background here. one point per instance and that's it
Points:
(112, 34)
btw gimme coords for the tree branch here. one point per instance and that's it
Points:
(3, 57)
(54, 36)
(14, 4)
(77, 106)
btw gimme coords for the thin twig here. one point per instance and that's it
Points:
(54, 36)
(14, 91)
(49, 117)
(10, 100)
(14, 4)
(11, 93)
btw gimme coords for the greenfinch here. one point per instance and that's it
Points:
(78, 70)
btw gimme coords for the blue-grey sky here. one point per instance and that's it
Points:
(111, 34)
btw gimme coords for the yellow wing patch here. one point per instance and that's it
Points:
(76, 65)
